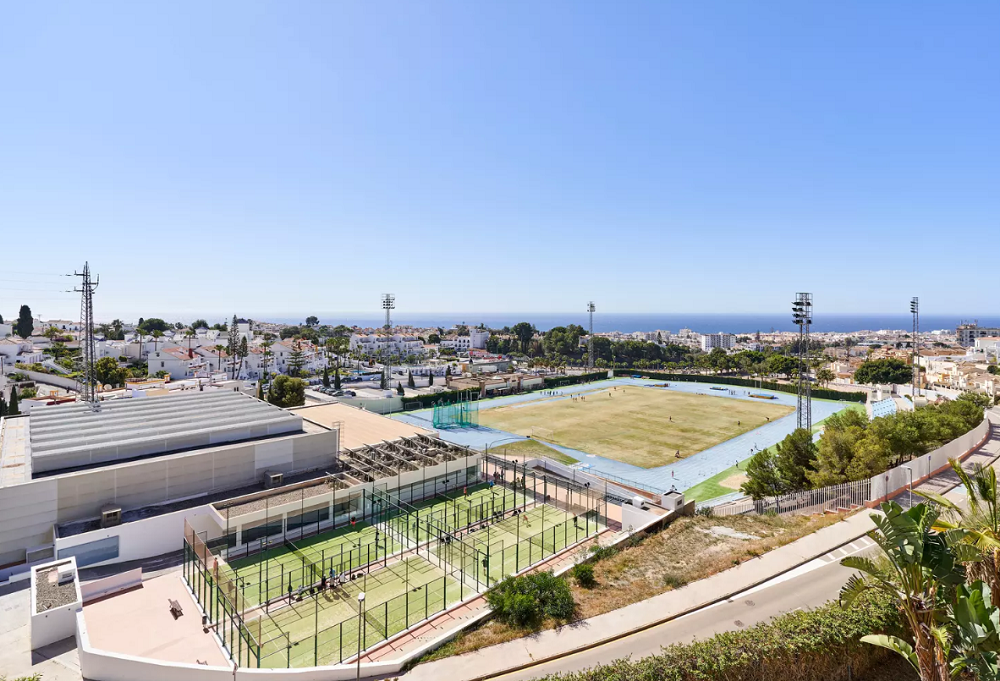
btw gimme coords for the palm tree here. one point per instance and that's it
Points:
(980, 522)
(218, 351)
(156, 334)
(922, 570)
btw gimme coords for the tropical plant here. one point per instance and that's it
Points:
(922, 572)
(979, 522)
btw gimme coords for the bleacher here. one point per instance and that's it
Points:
(886, 407)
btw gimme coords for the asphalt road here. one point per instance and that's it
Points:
(806, 587)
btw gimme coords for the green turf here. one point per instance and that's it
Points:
(711, 488)
(530, 449)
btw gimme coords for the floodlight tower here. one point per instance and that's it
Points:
(88, 353)
(590, 338)
(915, 311)
(388, 304)
(802, 316)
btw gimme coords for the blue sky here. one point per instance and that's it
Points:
(513, 156)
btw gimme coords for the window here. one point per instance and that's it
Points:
(92, 552)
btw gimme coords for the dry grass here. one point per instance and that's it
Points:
(734, 481)
(640, 426)
(686, 551)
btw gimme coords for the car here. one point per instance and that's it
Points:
(350, 393)
(336, 393)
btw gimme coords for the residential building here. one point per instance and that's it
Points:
(968, 333)
(710, 341)
(386, 344)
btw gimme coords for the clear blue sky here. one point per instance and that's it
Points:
(509, 156)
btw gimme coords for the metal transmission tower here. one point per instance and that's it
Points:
(388, 304)
(802, 315)
(88, 381)
(590, 338)
(915, 310)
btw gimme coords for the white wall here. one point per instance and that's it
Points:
(148, 537)
(58, 623)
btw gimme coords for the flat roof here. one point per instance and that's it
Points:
(74, 435)
(357, 426)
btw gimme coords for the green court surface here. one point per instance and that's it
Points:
(456, 511)
(513, 544)
(396, 597)
(268, 574)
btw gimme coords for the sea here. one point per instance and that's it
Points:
(673, 322)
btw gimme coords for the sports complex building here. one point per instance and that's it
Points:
(279, 522)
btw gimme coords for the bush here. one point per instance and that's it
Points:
(559, 381)
(526, 600)
(603, 552)
(799, 646)
(673, 581)
(583, 573)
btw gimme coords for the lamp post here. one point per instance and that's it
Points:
(910, 471)
(361, 621)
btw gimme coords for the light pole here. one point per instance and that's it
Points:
(910, 471)
(361, 621)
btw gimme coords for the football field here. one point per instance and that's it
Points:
(644, 427)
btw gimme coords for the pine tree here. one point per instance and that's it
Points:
(296, 360)
(409, 380)
(326, 377)
(12, 409)
(430, 379)
(336, 376)
(25, 323)
(383, 382)
(3, 405)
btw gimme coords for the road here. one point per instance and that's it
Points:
(808, 586)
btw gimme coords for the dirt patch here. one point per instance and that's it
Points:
(734, 482)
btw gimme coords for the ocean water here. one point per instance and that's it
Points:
(627, 323)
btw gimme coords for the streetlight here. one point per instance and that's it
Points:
(910, 471)
(361, 616)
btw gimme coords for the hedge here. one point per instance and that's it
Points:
(822, 393)
(813, 645)
(559, 381)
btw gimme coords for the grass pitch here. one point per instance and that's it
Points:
(641, 426)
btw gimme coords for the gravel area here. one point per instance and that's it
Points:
(50, 594)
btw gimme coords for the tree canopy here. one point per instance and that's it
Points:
(25, 323)
(286, 391)
(880, 371)
(148, 326)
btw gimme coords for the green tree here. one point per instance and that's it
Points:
(218, 353)
(430, 379)
(923, 573)
(825, 375)
(383, 382)
(794, 457)
(524, 332)
(25, 323)
(336, 376)
(763, 479)
(3, 402)
(409, 380)
(883, 371)
(199, 324)
(326, 377)
(147, 326)
(312, 320)
(399, 389)
(107, 372)
(296, 360)
(526, 600)
(287, 391)
(433, 339)
(12, 408)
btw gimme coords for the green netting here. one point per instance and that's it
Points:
(463, 414)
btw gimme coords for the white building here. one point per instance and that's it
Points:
(386, 344)
(17, 351)
(968, 333)
(6, 330)
(62, 325)
(177, 362)
(710, 341)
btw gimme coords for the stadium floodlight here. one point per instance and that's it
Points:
(388, 304)
(915, 311)
(802, 309)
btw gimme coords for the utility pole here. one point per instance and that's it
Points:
(88, 352)
(590, 338)
(915, 311)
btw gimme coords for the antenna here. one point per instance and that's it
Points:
(802, 315)
(388, 304)
(88, 381)
(590, 338)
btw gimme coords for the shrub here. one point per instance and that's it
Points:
(706, 511)
(673, 581)
(603, 552)
(583, 573)
(814, 644)
(526, 600)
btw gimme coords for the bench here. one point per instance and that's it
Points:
(175, 608)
